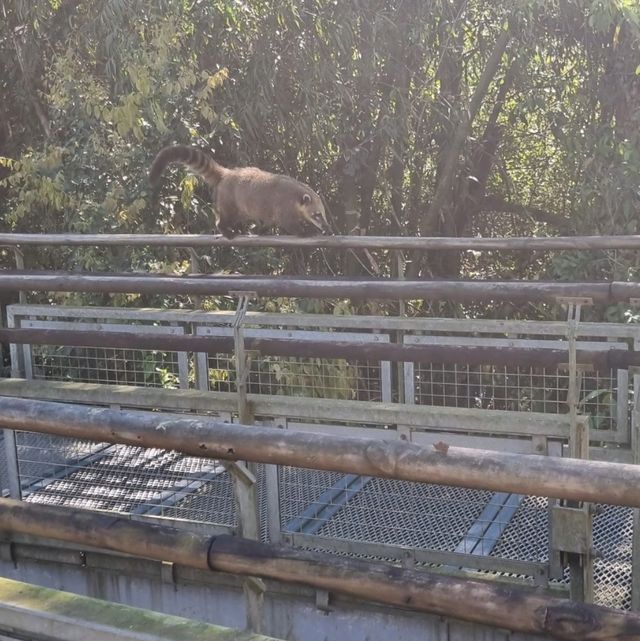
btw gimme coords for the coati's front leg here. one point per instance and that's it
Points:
(227, 220)
(261, 229)
(299, 228)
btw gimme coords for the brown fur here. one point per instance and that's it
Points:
(249, 195)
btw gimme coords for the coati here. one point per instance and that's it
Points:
(247, 194)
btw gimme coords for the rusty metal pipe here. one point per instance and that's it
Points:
(352, 350)
(106, 531)
(574, 479)
(502, 606)
(205, 285)
(437, 243)
(488, 603)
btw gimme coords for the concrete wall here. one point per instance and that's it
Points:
(289, 612)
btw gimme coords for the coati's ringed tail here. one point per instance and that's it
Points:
(246, 195)
(197, 161)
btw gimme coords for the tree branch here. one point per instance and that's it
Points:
(497, 204)
(443, 190)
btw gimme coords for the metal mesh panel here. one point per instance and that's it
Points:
(221, 373)
(513, 388)
(299, 488)
(106, 365)
(613, 539)
(409, 514)
(43, 456)
(313, 377)
(125, 479)
(102, 365)
(213, 502)
(526, 537)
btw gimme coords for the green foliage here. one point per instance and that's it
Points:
(368, 101)
(315, 377)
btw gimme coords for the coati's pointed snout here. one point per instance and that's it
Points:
(323, 226)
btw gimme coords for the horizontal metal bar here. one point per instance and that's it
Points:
(351, 350)
(502, 422)
(570, 479)
(206, 285)
(339, 241)
(444, 558)
(465, 326)
(490, 603)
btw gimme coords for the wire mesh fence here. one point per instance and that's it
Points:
(346, 511)
(312, 377)
(606, 397)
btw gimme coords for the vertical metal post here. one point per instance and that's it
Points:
(19, 258)
(580, 565)
(272, 491)
(245, 476)
(635, 449)
(194, 259)
(16, 353)
(245, 413)
(399, 268)
(10, 444)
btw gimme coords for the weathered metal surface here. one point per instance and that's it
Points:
(34, 612)
(571, 479)
(104, 530)
(355, 350)
(571, 530)
(355, 242)
(504, 422)
(384, 323)
(367, 289)
(493, 604)
(489, 603)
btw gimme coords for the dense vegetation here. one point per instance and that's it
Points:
(452, 117)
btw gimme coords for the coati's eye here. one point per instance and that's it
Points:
(306, 199)
(317, 215)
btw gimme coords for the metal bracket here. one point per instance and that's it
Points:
(404, 432)
(256, 584)
(574, 300)
(241, 472)
(243, 294)
(571, 530)
(168, 572)
(580, 367)
(8, 552)
(409, 559)
(322, 601)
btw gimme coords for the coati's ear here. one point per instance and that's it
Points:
(306, 199)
